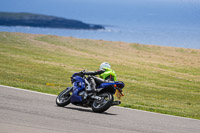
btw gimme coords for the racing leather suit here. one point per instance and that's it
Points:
(106, 75)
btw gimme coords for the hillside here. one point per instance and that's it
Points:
(158, 79)
(37, 20)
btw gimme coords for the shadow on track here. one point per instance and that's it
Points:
(86, 110)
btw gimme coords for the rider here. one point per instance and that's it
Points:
(105, 73)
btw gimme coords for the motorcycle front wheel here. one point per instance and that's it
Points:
(63, 98)
(104, 104)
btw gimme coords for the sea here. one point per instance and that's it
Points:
(174, 23)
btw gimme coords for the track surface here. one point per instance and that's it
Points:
(29, 112)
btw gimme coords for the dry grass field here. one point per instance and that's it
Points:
(158, 79)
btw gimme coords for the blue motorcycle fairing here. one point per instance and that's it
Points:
(120, 84)
(108, 86)
(78, 85)
(104, 85)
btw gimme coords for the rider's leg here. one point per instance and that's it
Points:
(98, 81)
(93, 84)
(93, 81)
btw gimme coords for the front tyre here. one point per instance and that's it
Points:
(104, 104)
(63, 98)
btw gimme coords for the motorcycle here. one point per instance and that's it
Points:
(99, 101)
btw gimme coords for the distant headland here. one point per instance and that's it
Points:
(38, 20)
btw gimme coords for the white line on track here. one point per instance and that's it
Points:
(113, 106)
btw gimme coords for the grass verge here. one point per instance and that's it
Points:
(158, 79)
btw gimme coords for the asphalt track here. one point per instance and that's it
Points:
(24, 111)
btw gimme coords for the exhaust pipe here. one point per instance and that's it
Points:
(116, 103)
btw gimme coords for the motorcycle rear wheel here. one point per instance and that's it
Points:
(104, 104)
(63, 98)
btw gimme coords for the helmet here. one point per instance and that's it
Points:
(104, 65)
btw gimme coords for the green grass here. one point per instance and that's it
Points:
(158, 79)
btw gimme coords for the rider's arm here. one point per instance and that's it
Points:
(95, 72)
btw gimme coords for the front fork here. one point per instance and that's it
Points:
(69, 89)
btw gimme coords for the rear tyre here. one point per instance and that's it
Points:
(63, 98)
(104, 104)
